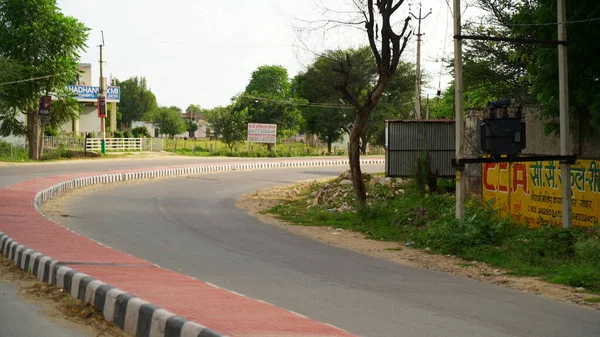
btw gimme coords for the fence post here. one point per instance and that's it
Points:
(211, 146)
(194, 148)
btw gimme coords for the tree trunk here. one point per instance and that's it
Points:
(33, 134)
(363, 146)
(354, 156)
(329, 146)
(41, 142)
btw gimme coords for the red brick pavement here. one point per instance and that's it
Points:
(219, 309)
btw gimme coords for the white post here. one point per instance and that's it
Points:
(563, 87)
(458, 110)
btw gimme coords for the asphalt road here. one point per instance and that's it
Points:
(191, 225)
(19, 319)
(14, 173)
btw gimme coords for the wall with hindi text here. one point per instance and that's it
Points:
(531, 192)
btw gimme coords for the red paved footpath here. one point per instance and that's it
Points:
(218, 309)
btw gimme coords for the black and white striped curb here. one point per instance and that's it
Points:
(130, 313)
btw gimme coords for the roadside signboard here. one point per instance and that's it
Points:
(262, 133)
(45, 102)
(87, 93)
(101, 107)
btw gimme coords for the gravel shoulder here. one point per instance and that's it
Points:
(257, 202)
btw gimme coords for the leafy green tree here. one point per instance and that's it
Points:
(473, 98)
(387, 38)
(229, 124)
(268, 99)
(140, 132)
(397, 102)
(194, 108)
(168, 120)
(190, 127)
(137, 100)
(530, 72)
(44, 44)
(328, 123)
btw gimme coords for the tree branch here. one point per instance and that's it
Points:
(396, 6)
(369, 25)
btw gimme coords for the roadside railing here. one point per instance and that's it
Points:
(115, 144)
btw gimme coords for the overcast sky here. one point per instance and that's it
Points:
(203, 52)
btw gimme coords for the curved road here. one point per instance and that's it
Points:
(191, 225)
(18, 318)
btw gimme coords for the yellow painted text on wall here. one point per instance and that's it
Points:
(531, 192)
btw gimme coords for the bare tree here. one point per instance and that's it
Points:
(387, 45)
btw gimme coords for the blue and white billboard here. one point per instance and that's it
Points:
(88, 93)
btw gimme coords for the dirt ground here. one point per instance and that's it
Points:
(58, 306)
(264, 199)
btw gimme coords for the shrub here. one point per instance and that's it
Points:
(126, 134)
(588, 251)
(547, 242)
(140, 132)
(451, 236)
(118, 134)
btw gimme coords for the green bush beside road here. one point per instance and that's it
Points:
(566, 256)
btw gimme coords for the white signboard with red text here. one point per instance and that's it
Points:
(262, 133)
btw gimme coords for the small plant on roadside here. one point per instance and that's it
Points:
(588, 251)
(140, 132)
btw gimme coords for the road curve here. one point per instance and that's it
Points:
(18, 318)
(12, 306)
(191, 225)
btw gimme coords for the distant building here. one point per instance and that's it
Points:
(198, 117)
(87, 95)
(155, 132)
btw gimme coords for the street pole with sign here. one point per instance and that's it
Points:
(102, 102)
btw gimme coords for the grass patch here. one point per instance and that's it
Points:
(564, 256)
(206, 148)
(592, 299)
(12, 153)
(202, 152)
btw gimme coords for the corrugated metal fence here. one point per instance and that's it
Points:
(406, 141)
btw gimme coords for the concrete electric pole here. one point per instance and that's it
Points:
(418, 71)
(458, 110)
(563, 84)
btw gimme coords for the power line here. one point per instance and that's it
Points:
(30, 79)
(539, 24)
(308, 104)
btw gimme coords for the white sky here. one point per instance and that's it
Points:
(203, 52)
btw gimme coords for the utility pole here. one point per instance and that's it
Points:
(418, 72)
(458, 110)
(563, 79)
(102, 100)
